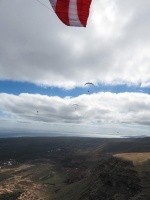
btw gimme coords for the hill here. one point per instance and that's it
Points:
(136, 158)
(73, 169)
(112, 179)
(142, 166)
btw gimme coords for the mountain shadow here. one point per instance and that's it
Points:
(114, 179)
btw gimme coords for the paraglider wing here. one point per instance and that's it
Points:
(72, 12)
(88, 83)
(75, 105)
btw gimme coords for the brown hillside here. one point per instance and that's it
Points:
(136, 158)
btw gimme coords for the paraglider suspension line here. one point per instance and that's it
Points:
(44, 5)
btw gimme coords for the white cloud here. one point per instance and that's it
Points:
(101, 113)
(114, 48)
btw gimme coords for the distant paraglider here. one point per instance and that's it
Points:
(75, 106)
(89, 84)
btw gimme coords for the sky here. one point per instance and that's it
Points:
(45, 64)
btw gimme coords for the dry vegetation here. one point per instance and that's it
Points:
(136, 158)
(21, 180)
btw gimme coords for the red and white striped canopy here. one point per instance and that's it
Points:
(72, 12)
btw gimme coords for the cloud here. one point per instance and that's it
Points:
(98, 113)
(114, 48)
